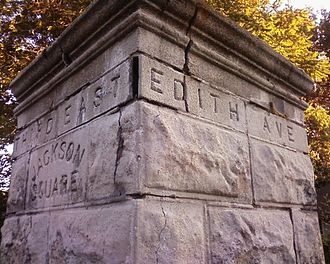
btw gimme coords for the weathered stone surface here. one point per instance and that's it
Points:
(17, 191)
(102, 157)
(25, 239)
(307, 237)
(156, 145)
(130, 163)
(162, 84)
(64, 87)
(281, 175)
(108, 92)
(111, 90)
(276, 129)
(100, 235)
(164, 49)
(215, 105)
(180, 153)
(76, 165)
(250, 236)
(58, 171)
(170, 232)
(14, 238)
(41, 131)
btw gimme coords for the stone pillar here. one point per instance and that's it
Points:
(174, 136)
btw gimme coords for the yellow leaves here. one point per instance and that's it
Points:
(321, 116)
(287, 30)
(318, 130)
(12, 27)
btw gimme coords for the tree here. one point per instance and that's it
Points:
(295, 34)
(287, 30)
(318, 114)
(26, 28)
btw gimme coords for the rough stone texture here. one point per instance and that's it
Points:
(281, 175)
(161, 84)
(181, 155)
(78, 166)
(25, 239)
(250, 236)
(17, 191)
(306, 225)
(166, 234)
(214, 104)
(267, 126)
(174, 136)
(100, 235)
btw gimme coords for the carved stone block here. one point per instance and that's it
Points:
(281, 175)
(306, 225)
(250, 236)
(174, 136)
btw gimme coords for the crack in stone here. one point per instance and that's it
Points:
(185, 93)
(190, 43)
(161, 232)
(192, 20)
(293, 236)
(120, 148)
(186, 69)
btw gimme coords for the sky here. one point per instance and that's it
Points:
(315, 4)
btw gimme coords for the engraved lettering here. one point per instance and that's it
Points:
(49, 125)
(155, 80)
(48, 190)
(34, 190)
(266, 125)
(233, 112)
(82, 111)
(97, 97)
(74, 184)
(63, 150)
(69, 151)
(215, 105)
(61, 154)
(54, 147)
(67, 115)
(55, 187)
(290, 133)
(279, 128)
(40, 190)
(44, 185)
(115, 81)
(178, 90)
(63, 184)
(77, 157)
